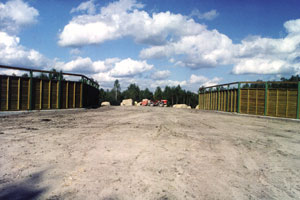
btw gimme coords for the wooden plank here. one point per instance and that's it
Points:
(67, 94)
(7, 93)
(57, 94)
(74, 95)
(276, 112)
(248, 103)
(256, 101)
(287, 103)
(81, 87)
(49, 95)
(19, 93)
(41, 94)
(28, 102)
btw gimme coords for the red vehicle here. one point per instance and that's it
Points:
(163, 103)
(145, 102)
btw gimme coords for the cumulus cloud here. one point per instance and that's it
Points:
(124, 18)
(160, 75)
(15, 14)
(108, 70)
(210, 15)
(204, 81)
(196, 50)
(12, 53)
(88, 7)
(183, 41)
(129, 68)
(257, 55)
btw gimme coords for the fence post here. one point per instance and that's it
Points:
(227, 104)
(298, 100)
(81, 93)
(59, 90)
(204, 99)
(30, 89)
(19, 94)
(198, 98)
(218, 97)
(239, 97)
(7, 93)
(210, 99)
(266, 98)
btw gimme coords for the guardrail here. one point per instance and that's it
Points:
(277, 99)
(51, 92)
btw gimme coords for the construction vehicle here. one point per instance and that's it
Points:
(161, 103)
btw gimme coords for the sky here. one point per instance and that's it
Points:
(154, 42)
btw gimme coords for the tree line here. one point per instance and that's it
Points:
(174, 95)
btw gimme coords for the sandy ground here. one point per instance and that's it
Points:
(147, 153)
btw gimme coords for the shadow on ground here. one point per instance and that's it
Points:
(28, 189)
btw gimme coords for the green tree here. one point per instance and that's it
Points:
(132, 92)
(146, 94)
(158, 94)
(117, 89)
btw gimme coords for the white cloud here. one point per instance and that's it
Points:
(15, 14)
(75, 51)
(124, 18)
(257, 55)
(129, 68)
(87, 66)
(87, 6)
(203, 81)
(206, 49)
(184, 42)
(210, 15)
(160, 75)
(12, 53)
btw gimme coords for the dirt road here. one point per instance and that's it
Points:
(147, 153)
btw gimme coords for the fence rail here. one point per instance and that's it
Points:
(277, 99)
(31, 93)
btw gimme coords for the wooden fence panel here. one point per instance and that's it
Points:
(24, 94)
(244, 101)
(3, 94)
(292, 103)
(46, 94)
(54, 94)
(64, 95)
(272, 102)
(46, 100)
(13, 93)
(260, 101)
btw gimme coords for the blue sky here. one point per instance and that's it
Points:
(154, 42)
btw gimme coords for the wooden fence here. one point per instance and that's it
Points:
(29, 93)
(256, 98)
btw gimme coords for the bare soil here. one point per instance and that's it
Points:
(147, 153)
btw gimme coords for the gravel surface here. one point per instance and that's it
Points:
(147, 153)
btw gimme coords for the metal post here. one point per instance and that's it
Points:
(266, 98)
(298, 100)
(239, 97)
(30, 90)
